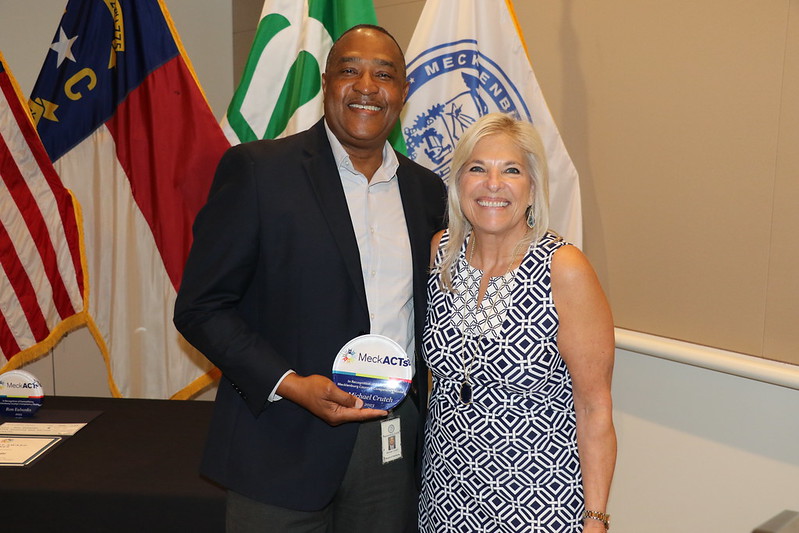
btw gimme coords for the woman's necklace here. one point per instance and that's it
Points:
(465, 391)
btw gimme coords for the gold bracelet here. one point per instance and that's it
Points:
(596, 515)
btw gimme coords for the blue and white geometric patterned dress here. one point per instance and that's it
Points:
(508, 461)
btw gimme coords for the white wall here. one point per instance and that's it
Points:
(699, 451)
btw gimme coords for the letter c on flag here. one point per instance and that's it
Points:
(71, 82)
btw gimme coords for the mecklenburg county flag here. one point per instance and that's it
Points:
(42, 281)
(467, 58)
(122, 116)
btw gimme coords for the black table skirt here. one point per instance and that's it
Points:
(134, 467)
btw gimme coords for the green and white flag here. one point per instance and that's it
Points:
(280, 92)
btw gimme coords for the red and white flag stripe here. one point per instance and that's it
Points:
(42, 279)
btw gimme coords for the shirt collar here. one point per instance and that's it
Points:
(387, 170)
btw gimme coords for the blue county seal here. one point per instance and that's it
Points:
(450, 86)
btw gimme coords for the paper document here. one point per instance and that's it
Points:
(38, 428)
(21, 451)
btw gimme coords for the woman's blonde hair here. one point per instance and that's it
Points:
(526, 138)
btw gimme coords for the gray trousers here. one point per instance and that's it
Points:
(373, 497)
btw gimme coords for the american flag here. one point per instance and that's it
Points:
(42, 280)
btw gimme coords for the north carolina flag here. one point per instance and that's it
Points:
(41, 273)
(121, 114)
(467, 58)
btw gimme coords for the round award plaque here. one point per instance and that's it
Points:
(21, 394)
(375, 369)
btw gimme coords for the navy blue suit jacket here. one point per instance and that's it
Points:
(273, 282)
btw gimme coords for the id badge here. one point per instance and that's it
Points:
(391, 439)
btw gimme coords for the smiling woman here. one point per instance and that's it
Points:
(496, 188)
(519, 339)
(513, 150)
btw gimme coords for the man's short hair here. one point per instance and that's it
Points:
(374, 27)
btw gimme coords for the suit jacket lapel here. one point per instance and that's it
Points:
(320, 167)
(419, 235)
(410, 194)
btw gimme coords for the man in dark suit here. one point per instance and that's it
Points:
(305, 243)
